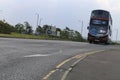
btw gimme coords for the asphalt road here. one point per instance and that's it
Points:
(100, 66)
(26, 59)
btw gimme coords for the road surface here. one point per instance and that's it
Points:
(27, 59)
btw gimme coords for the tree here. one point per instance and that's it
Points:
(68, 29)
(46, 27)
(58, 29)
(19, 28)
(64, 34)
(6, 28)
(39, 30)
(78, 37)
(28, 28)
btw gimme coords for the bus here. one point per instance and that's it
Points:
(100, 27)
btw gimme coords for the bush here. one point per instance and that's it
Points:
(6, 28)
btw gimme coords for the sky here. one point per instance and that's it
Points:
(59, 13)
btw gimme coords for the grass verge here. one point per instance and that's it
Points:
(26, 36)
(42, 37)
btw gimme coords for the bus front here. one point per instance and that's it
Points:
(98, 27)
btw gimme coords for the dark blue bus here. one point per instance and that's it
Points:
(100, 26)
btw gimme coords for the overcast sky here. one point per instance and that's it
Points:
(61, 13)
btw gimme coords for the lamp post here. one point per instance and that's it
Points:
(40, 21)
(37, 19)
(116, 34)
(81, 21)
(1, 12)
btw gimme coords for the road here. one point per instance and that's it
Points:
(27, 59)
(100, 66)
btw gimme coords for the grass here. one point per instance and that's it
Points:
(42, 37)
(25, 36)
(115, 43)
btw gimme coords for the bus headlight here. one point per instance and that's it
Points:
(102, 31)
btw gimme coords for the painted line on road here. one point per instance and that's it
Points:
(49, 74)
(76, 62)
(58, 66)
(79, 57)
(71, 67)
(39, 55)
(66, 73)
(62, 63)
(36, 55)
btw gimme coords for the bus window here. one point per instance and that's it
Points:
(99, 22)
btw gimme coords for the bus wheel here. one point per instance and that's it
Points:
(90, 42)
(106, 43)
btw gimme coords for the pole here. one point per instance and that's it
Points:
(81, 26)
(40, 21)
(1, 12)
(37, 19)
(116, 34)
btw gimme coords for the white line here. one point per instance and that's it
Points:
(39, 55)
(36, 55)
(65, 74)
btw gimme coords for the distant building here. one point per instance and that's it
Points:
(51, 31)
(71, 33)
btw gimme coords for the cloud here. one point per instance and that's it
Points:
(104, 3)
(112, 5)
(6, 1)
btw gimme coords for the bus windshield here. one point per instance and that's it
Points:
(99, 22)
(98, 29)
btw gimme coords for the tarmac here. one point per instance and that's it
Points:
(99, 66)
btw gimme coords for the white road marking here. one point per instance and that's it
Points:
(36, 55)
(39, 55)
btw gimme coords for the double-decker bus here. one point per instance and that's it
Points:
(99, 29)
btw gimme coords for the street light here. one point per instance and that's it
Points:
(40, 21)
(1, 11)
(116, 34)
(37, 19)
(81, 26)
